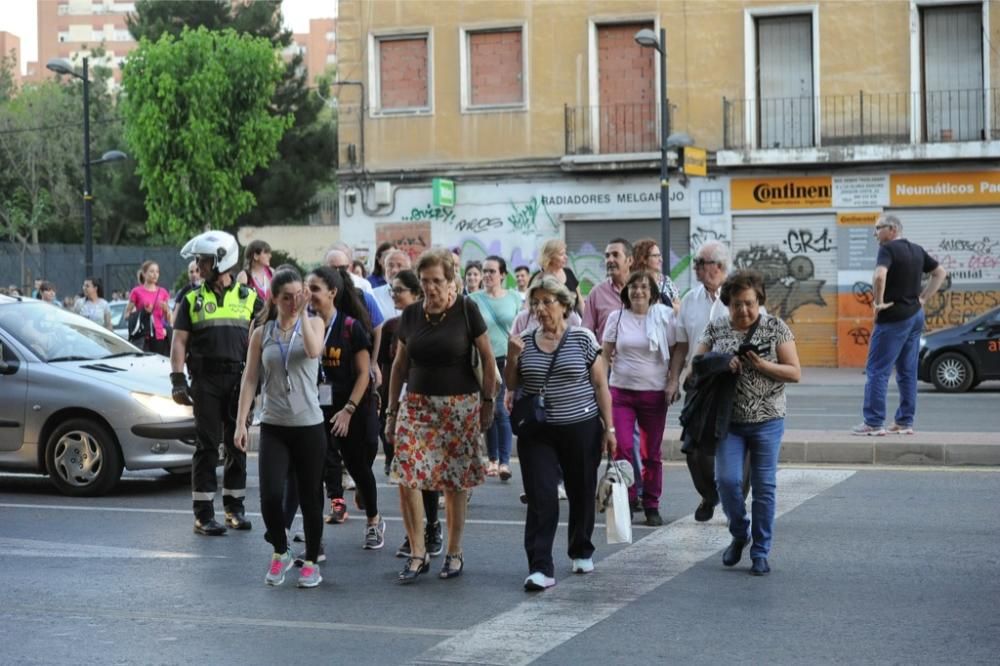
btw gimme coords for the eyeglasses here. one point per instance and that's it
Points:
(654, 255)
(399, 290)
(545, 302)
(699, 262)
(344, 266)
(880, 227)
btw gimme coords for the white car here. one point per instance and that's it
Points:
(80, 404)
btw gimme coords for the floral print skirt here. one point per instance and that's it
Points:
(438, 443)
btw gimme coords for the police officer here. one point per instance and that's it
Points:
(211, 334)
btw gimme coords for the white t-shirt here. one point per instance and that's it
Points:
(383, 296)
(360, 283)
(636, 367)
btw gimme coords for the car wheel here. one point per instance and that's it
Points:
(952, 373)
(82, 458)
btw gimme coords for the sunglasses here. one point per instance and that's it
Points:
(699, 262)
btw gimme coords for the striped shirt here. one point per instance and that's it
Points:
(569, 395)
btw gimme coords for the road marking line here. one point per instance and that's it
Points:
(48, 611)
(511, 638)
(185, 512)
(35, 548)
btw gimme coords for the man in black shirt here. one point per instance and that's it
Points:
(899, 321)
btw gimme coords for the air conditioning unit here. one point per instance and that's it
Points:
(383, 192)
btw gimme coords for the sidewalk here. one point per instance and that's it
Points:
(842, 448)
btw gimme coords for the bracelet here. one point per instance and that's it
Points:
(392, 412)
(349, 408)
(611, 430)
(487, 399)
(352, 403)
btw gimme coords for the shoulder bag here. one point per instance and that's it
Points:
(528, 412)
(477, 359)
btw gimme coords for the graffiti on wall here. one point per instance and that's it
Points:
(970, 259)
(790, 281)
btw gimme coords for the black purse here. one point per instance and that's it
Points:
(527, 414)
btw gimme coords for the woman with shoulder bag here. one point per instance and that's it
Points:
(436, 431)
(764, 359)
(346, 394)
(563, 382)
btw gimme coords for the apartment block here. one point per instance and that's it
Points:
(10, 47)
(318, 47)
(72, 28)
(816, 117)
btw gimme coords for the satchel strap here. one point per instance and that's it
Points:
(552, 362)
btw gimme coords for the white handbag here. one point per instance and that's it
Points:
(612, 500)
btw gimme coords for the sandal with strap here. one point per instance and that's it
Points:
(409, 574)
(446, 569)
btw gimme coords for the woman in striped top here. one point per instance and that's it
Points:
(577, 423)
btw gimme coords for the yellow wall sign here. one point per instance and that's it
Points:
(776, 193)
(695, 161)
(944, 189)
(853, 219)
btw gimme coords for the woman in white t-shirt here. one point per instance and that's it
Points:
(637, 340)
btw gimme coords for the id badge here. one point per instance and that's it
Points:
(325, 395)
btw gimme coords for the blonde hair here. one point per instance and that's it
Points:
(550, 250)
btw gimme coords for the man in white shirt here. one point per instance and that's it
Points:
(700, 306)
(359, 282)
(393, 262)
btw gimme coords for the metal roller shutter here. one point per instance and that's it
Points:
(596, 233)
(798, 256)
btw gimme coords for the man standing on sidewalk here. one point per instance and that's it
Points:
(899, 321)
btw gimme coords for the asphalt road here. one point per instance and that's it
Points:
(869, 566)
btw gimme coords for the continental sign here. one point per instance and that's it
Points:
(857, 219)
(772, 193)
(945, 189)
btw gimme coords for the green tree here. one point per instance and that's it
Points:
(197, 121)
(285, 190)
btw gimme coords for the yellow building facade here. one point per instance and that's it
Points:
(817, 116)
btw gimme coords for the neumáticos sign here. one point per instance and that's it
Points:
(945, 189)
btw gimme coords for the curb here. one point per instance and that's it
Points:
(951, 449)
(818, 447)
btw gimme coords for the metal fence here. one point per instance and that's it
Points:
(115, 265)
(612, 128)
(864, 118)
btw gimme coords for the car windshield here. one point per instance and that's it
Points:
(57, 335)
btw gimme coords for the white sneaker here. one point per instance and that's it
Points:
(583, 565)
(348, 482)
(538, 581)
(865, 430)
(562, 491)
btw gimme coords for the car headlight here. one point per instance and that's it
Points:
(165, 407)
(923, 342)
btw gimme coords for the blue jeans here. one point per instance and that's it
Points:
(896, 344)
(763, 441)
(498, 437)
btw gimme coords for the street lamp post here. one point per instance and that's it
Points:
(647, 38)
(60, 66)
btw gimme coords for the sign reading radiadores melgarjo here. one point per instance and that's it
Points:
(944, 189)
(771, 193)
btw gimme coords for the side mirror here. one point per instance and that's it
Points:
(7, 367)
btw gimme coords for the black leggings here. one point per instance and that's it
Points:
(302, 449)
(358, 449)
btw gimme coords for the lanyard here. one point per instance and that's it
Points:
(285, 353)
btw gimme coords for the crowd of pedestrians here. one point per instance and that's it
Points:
(431, 358)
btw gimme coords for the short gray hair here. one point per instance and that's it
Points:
(716, 252)
(890, 221)
(551, 284)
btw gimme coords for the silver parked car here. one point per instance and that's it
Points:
(80, 404)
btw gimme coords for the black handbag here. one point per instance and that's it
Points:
(528, 411)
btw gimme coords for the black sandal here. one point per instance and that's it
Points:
(447, 571)
(408, 574)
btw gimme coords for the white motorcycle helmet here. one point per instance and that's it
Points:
(216, 244)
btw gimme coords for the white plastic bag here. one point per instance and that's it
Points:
(619, 518)
(612, 500)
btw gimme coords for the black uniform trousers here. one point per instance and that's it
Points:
(575, 451)
(215, 397)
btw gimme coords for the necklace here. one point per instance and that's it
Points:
(432, 322)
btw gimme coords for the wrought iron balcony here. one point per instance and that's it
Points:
(612, 128)
(865, 118)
